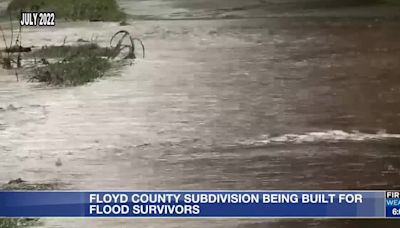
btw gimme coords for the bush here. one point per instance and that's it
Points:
(77, 71)
(68, 51)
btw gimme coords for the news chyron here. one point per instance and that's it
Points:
(393, 204)
(38, 19)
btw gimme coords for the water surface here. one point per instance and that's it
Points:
(231, 102)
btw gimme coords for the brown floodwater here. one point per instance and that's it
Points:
(229, 98)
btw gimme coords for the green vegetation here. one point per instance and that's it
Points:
(69, 51)
(18, 222)
(93, 10)
(78, 71)
(79, 65)
(22, 185)
(69, 65)
(82, 63)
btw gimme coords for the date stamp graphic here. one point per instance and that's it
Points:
(38, 19)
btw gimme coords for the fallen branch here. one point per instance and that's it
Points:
(17, 49)
(119, 47)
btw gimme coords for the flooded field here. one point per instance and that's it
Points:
(241, 98)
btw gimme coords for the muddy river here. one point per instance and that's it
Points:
(239, 95)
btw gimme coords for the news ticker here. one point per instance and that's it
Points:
(221, 204)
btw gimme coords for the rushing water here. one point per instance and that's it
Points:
(231, 102)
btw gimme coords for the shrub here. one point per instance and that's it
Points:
(80, 69)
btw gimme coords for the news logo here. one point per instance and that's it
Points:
(392, 204)
(38, 19)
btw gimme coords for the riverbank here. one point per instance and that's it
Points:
(210, 9)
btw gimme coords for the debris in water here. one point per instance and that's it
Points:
(143, 145)
(80, 40)
(82, 63)
(58, 162)
(120, 46)
(16, 49)
(390, 168)
(20, 184)
(123, 23)
(11, 107)
(16, 181)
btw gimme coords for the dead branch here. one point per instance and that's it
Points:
(17, 49)
(11, 30)
(119, 47)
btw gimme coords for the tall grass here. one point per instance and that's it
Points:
(78, 66)
(18, 222)
(71, 65)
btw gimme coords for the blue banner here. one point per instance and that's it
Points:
(392, 204)
(282, 204)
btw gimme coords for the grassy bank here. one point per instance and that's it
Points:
(18, 222)
(93, 10)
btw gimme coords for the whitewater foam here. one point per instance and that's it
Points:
(324, 136)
